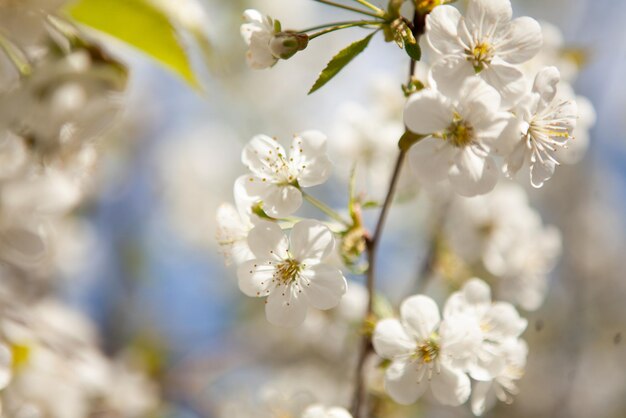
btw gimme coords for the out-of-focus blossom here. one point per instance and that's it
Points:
(320, 411)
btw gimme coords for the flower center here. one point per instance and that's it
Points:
(427, 351)
(480, 55)
(287, 271)
(460, 132)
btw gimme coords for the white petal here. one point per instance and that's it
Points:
(311, 240)
(428, 112)
(255, 277)
(338, 413)
(504, 322)
(450, 386)
(403, 383)
(507, 79)
(6, 361)
(315, 171)
(261, 154)
(441, 30)
(541, 172)
(515, 160)
(390, 339)
(478, 100)
(477, 292)
(259, 55)
(449, 73)
(323, 285)
(285, 307)
(267, 241)
(473, 174)
(545, 85)
(522, 41)
(485, 13)
(420, 316)
(431, 158)
(312, 143)
(281, 201)
(479, 397)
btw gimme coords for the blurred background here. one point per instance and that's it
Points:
(154, 282)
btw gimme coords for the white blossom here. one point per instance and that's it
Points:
(420, 347)
(503, 386)
(498, 323)
(258, 32)
(542, 124)
(485, 42)
(320, 411)
(291, 273)
(232, 233)
(460, 130)
(276, 176)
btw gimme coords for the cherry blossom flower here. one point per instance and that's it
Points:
(276, 177)
(291, 273)
(320, 411)
(502, 387)
(543, 124)
(460, 130)
(418, 347)
(232, 234)
(498, 323)
(485, 42)
(258, 32)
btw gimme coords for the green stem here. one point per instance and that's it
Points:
(327, 25)
(352, 9)
(350, 25)
(325, 208)
(370, 6)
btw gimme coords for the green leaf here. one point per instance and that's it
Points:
(413, 49)
(339, 61)
(140, 24)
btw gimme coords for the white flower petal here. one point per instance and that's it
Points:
(311, 240)
(6, 361)
(441, 29)
(255, 277)
(515, 160)
(449, 73)
(507, 79)
(428, 112)
(267, 241)
(259, 55)
(541, 172)
(477, 292)
(477, 100)
(403, 382)
(504, 322)
(430, 159)
(315, 171)
(522, 40)
(420, 316)
(450, 386)
(473, 174)
(391, 340)
(545, 86)
(312, 143)
(486, 13)
(260, 155)
(323, 286)
(480, 393)
(281, 200)
(285, 307)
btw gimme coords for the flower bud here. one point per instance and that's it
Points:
(284, 45)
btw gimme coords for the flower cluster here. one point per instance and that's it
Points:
(475, 338)
(482, 106)
(59, 92)
(292, 272)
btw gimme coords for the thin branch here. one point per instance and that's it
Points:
(371, 6)
(346, 26)
(352, 9)
(325, 208)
